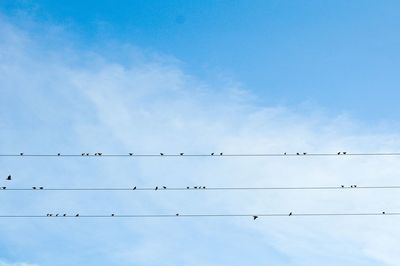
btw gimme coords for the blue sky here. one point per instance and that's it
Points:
(199, 76)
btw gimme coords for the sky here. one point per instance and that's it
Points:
(199, 77)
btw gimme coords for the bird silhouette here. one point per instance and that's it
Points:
(290, 214)
(33, 187)
(181, 153)
(284, 153)
(40, 187)
(204, 187)
(83, 154)
(134, 188)
(212, 153)
(187, 187)
(177, 214)
(164, 187)
(338, 153)
(87, 154)
(297, 153)
(112, 214)
(255, 217)
(156, 188)
(342, 186)
(57, 214)
(3, 187)
(221, 153)
(58, 154)
(130, 154)
(195, 187)
(304, 153)
(344, 152)
(161, 153)
(21, 154)
(77, 215)
(8, 177)
(64, 214)
(383, 212)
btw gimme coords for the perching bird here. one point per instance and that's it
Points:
(284, 153)
(195, 187)
(177, 214)
(212, 153)
(204, 187)
(221, 153)
(181, 153)
(351, 186)
(4, 187)
(134, 188)
(77, 215)
(344, 152)
(297, 153)
(33, 187)
(40, 187)
(8, 177)
(112, 214)
(64, 214)
(156, 188)
(338, 153)
(383, 212)
(290, 214)
(187, 187)
(355, 185)
(304, 153)
(57, 214)
(164, 187)
(58, 154)
(342, 186)
(130, 154)
(87, 154)
(21, 153)
(83, 154)
(161, 153)
(255, 217)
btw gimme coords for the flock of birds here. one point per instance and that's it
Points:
(182, 154)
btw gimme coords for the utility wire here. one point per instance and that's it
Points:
(163, 188)
(177, 215)
(216, 154)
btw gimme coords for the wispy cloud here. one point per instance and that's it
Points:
(51, 103)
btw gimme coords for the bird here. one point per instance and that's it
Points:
(344, 152)
(187, 187)
(195, 187)
(351, 186)
(8, 177)
(64, 214)
(57, 214)
(297, 153)
(40, 187)
(355, 185)
(204, 187)
(161, 153)
(284, 153)
(130, 154)
(342, 186)
(83, 154)
(164, 187)
(4, 187)
(134, 188)
(58, 154)
(21, 154)
(177, 214)
(77, 215)
(255, 217)
(87, 154)
(33, 187)
(221, 153)
(181, 153)
(383, 212)
(156, 188)
(212, 153)
(112, 214)
(304, 153)
(290, 214)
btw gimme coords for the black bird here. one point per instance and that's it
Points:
(87, 154)
(212, 153)
(221, 153)
(304, 153)
(33, 187)
(290, 214)
(284, 153)
(355, 185)
(156, 188)
(83, 154)
(204, 187)
(64, 214)
(344, 152)
(112, 214)
(351, 186)
(57, 214)
(187, 187)
(40, 187)
(164, 187)
(181, 153)
(383, 212)
(297, 153)
(342, 186)
(177, 214)
(21, 153)
(195, 187)
(77, 215)
(338, 153)
(4, 187)
(8, 177)
(130, 154)
(134, 188)
(255, 217)
(161, 153)
(58, 154)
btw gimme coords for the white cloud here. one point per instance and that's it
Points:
(51, 104)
